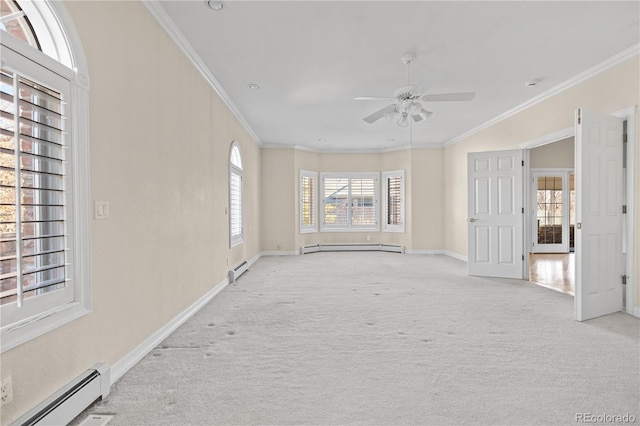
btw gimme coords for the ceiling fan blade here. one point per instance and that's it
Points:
(426, 82)
(372, 98)
(450, 97)
(380, 113)
(422, 116)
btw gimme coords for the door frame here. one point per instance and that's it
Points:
(629, 114)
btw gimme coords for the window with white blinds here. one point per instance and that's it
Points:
(308, 203)
(349, 202)
(32, 178)
(45, 279)
(393, 201)
(236, 232)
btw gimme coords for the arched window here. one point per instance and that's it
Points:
(236, 231)
(44, 172)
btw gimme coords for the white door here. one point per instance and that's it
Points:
(495, 214)
(598, 215)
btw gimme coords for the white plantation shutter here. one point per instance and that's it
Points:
(236, 231)
(394, 201)
(33, 214)
(350, 202)
(308, 195)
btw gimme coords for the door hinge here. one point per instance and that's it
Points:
(522, 163)
(523, 257)
(523, 210)
(624, 209)
(624, 279)
(579, 116)
(624, 138)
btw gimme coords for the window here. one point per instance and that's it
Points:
(44, 198)
(349, 202)
(308, 196)
(235, 196)
(393, 201)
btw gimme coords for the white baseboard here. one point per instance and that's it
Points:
(132, 358)
(429, 252)
(280, 253)
(455, 255)
(636, 311)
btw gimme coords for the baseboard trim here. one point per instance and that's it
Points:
(636, 311)
(280, 253)
(455, 255)
(132, 358)
(423, 252)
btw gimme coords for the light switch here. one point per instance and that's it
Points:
(101, 210)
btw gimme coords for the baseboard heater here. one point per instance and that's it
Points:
(70, 401)
(351, 247)
(237, 271)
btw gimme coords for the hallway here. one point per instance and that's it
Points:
(553, 270)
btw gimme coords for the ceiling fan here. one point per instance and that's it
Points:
(406, 100)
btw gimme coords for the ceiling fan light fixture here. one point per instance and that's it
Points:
(214, 5)
(403, 121)
(391, 115)
(414, 108)
(424, 114)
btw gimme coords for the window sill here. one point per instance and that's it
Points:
(34, 327)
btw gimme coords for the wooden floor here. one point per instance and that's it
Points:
(553, 270)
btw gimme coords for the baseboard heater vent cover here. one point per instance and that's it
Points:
(235, 273)
(66, 404)
(351, 247)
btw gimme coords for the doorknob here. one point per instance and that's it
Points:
(472, 219)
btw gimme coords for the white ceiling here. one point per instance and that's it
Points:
(311, 58)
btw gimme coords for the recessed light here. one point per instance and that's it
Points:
(530, 83)
(215, 5)
(253, 86)
(322, 140)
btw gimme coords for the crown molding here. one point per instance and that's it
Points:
(350, 151)
(579, 78)
(167, 24)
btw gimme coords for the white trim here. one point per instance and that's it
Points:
(350, 151)
(124, 364)
(167, 24)
(280, 253)
(549, 138)
(577, 79)
(237, 170)
(635, 311)
(456, 255)
(534, 247)
(424, 252)
(127, 362)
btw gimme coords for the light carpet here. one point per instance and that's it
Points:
(383, 339)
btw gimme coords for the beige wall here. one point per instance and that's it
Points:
(281, 169)
(559, 155)
(612, 90)
(160, 141)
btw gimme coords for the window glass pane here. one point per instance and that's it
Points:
(550, 209)
(17, 23)
(394, 200)
(307, 201)
(363, 192)
(336, 201)
(40, 228)
(236, 204)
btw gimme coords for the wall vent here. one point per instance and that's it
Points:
(66, 404)
(235, 273)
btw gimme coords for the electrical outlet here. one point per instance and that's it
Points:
(6, 392)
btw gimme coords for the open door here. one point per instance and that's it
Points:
(495, 214)
(598, 174)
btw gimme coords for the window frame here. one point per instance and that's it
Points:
(237, 170)
(313, 227)
(29, 63)
(389, 227)
(350, 227)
